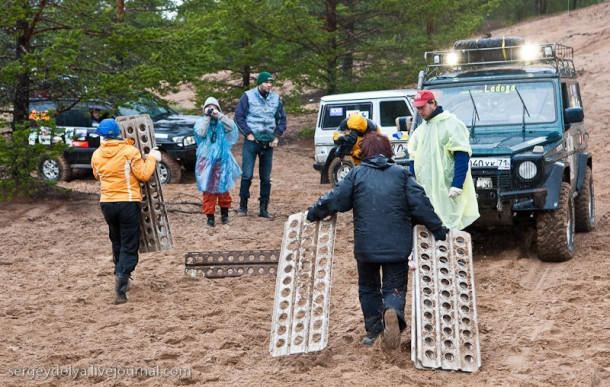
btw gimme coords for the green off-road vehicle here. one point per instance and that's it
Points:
(523, 108)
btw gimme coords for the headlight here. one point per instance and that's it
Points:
(452, 58)
(178, 140)
(484, 183)
(188, 140)
(530, 52)
(527, 170)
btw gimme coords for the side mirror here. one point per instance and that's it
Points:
(573, 115)
(403, 123)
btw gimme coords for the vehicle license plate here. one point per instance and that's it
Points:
(502, 163)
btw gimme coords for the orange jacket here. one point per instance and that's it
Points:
(120, 168)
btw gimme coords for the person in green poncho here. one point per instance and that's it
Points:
(439, 150)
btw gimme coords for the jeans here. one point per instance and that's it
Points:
(250, 150)
(375, 298)
(123, 220)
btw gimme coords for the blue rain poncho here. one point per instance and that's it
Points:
(431, 149)
(216, 170)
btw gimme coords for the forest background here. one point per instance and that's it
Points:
(113, 50)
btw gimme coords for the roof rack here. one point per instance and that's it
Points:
(556, 55)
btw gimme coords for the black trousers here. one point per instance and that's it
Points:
(123, 220)
(381, 291)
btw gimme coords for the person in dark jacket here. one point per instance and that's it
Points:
(385, 200)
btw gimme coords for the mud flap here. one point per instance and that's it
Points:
(302, 287)
(444, 326)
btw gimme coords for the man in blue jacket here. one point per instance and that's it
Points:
(260, 117)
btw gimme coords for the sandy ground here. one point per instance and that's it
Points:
(540, 323)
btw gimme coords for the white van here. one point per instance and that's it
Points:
(382, 107)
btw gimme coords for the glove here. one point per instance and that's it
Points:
(155, 154)
(454, 192)
(311, 216)
(441, 235)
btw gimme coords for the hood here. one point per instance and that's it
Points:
(379, 162)
(212, 101)
(110, 147)
(177, 124)
(488, 144)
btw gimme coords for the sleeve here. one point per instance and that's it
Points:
(461, 168)
(419, 205)
(240, 115)
(412, 144)
(94, 166)
(337, 200)
(458, 137)
(280, 120)
(142, 169)
(232, 135)
(201, 127)
(227, 123)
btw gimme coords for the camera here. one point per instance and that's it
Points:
(209, 112)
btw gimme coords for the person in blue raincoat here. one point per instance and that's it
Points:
(216, 170)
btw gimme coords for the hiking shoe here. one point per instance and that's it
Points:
(370, 338)
(391, 330)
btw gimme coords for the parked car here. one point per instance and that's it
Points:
(76, 128)
(382, 107)
(530, 160)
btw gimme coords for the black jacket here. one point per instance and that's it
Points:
(386, 201)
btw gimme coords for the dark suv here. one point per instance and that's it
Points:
(76, 128)
(530, 162)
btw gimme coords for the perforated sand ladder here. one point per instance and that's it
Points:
(155, 234)
(302, 288)
(444, 328)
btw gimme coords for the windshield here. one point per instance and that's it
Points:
(145, 106)
(499, 103)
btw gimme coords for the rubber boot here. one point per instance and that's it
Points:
(121, 285)
(263, 211)
(210, 220)
(243, 207)
(224, 215)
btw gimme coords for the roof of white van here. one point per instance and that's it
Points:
(369, 95)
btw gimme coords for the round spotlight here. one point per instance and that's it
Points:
(530, 52)
(452, 58)
(528, 170)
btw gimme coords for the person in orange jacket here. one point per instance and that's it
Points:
(350, 133)
(119, 167)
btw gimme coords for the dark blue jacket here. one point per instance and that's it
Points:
(387, 202)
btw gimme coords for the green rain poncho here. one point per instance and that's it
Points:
(431, 149)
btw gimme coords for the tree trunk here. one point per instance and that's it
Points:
(120, 9)
(245, 77)
(331, 62)
(21, 96)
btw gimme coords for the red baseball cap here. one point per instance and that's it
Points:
(422, 97)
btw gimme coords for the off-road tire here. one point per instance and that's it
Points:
(338, 169)
(555, 229)
(584, 204)
(55, 168)
(169, 170)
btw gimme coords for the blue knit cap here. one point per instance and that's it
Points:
(108, 128)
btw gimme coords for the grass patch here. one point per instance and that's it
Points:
(306, 133)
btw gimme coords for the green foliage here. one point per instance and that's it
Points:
(307, 133)
(19, 158)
